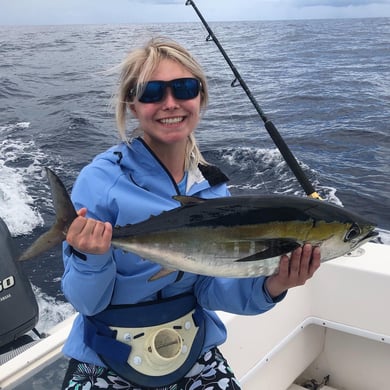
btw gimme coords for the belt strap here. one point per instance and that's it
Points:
(101, 339)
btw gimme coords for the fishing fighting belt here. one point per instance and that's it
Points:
(151, 344)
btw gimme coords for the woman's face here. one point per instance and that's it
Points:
(170, 120)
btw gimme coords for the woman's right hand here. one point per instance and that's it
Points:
(88, 235)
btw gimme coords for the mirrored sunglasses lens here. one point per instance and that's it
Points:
(153, 92)
(184, 89)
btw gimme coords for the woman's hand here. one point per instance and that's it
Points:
(89, 235)
(294, 271)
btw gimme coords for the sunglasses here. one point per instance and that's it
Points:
(183, 89)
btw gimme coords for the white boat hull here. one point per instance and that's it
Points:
(338, 324)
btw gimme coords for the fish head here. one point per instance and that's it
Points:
(341, 237)
(359, 233)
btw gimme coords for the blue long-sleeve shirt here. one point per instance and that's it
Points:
(128, 184)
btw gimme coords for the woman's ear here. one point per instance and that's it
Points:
(132, 109)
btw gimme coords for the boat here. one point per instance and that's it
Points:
(331, 333)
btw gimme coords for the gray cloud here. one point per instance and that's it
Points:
(157, 2)
(146, 11)
(336, 3)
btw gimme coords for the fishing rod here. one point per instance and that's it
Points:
(268, 124)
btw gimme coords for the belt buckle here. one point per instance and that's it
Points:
(160, 349)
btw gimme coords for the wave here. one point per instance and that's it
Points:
(20, 165)
(263, 170)
(51, 311)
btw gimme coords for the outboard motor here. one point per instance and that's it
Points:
(18, 306)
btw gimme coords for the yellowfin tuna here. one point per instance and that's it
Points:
(239, 236)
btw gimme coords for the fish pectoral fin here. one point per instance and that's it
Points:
(188, 200)
(160, 274)
(273, 247)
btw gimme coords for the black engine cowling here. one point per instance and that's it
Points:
(18, 306)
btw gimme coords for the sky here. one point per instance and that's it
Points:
(37, 12)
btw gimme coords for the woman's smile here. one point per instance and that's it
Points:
(172, 120)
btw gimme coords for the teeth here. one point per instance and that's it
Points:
(169, 121)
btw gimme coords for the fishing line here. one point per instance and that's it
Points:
(250, 154)
(217, 86)
(244, 158)
(268, 124)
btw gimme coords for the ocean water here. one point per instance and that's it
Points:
(325, 84)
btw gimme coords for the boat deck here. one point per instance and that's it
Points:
(297, 387)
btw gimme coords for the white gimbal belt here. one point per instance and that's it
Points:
(151, 356)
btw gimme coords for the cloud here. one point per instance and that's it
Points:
(28, 12)
(157, 2)
(336, 3)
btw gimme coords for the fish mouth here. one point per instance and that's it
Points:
(369, 236)
(372, 235)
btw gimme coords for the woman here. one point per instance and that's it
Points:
(133, 333)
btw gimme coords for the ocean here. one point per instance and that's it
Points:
(325, 84)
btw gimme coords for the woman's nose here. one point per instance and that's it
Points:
(169, 101)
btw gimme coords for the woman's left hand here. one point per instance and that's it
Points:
(294, 271)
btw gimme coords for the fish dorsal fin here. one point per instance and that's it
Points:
(188, 200)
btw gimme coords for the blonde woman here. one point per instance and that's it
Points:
(134, 333)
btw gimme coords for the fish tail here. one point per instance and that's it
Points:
(65, 214)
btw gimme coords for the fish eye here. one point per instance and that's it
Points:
(352, 233)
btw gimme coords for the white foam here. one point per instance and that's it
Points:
(266, 165)
(14, 126)
(51, 312)
(16, 205)
(19, 162)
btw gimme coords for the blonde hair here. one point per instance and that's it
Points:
(137, 69)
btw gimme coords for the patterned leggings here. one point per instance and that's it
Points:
(211, 372)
